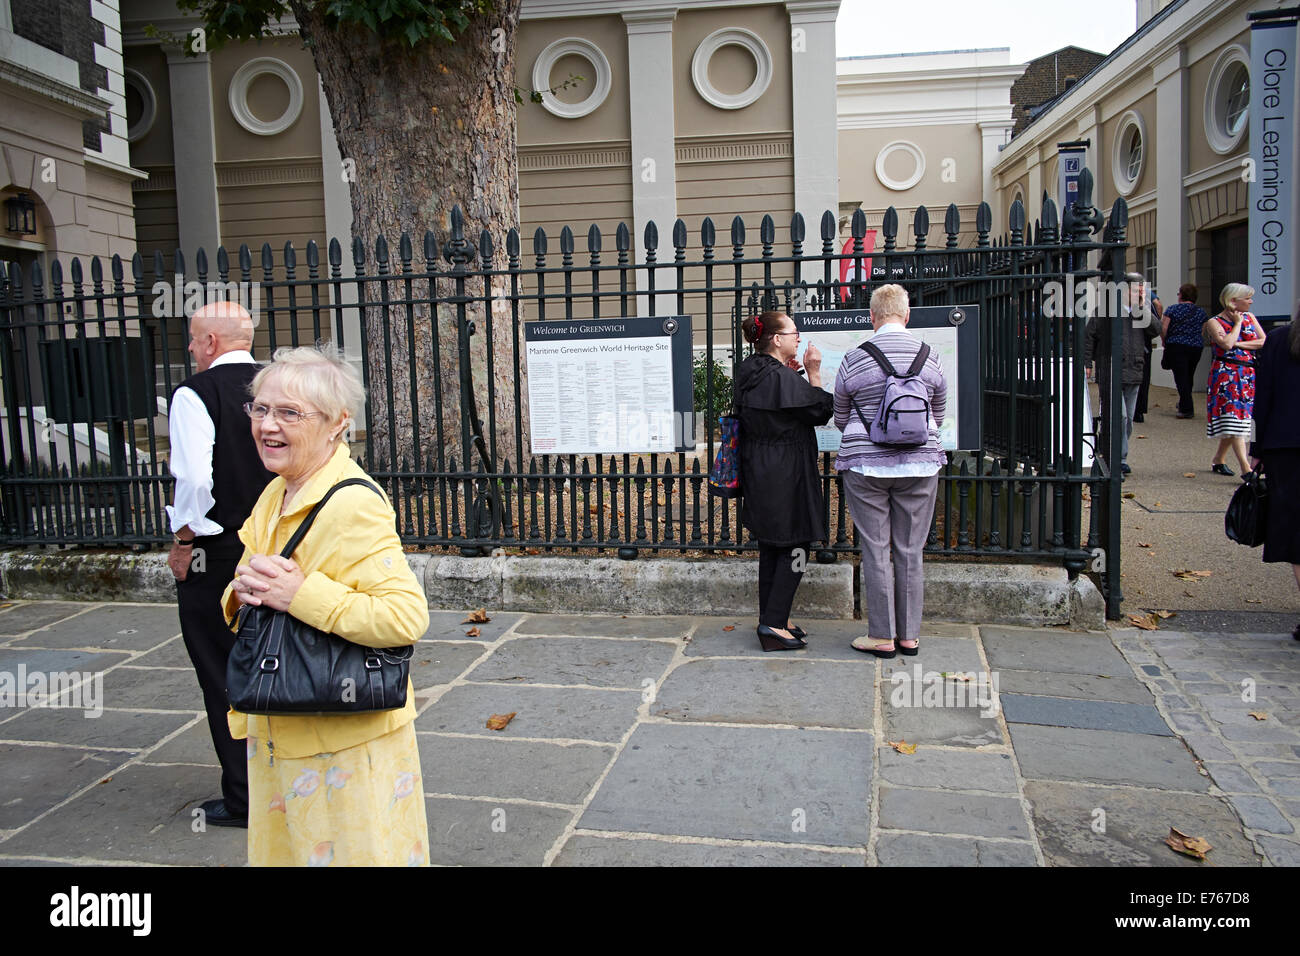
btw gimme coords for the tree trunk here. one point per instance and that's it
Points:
(428, 128)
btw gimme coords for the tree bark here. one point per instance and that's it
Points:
(428, 128)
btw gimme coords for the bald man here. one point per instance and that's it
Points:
(219, 477)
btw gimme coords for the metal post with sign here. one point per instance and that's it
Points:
(1069, 166)
(1272, 250)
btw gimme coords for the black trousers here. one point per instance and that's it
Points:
(778, 579)
(209, 642)
(1144, 392)
(1183, 360)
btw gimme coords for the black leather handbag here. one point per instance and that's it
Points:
(280, 666)
(1247, 516)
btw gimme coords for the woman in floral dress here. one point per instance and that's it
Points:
(1236, 336)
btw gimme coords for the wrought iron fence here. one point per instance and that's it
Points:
(88, 366)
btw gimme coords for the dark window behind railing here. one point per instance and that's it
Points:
(88, 365)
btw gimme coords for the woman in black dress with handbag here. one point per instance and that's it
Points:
(1276, 448)
(781, 503)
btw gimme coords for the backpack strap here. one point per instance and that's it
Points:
(913, 370)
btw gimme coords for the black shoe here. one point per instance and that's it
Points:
(1183, 415)
(772, 641)
(1139, 419)
(908, 651)
(796, 631)
(1247, 475)
(1222, 469)
(216, 814)
(1296, 632)
(1125, 469)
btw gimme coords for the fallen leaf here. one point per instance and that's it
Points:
(1189, 474)
(1189, 845)
(961, 677)
(532, 551)
(1189, 594)
(903, 747)
(1258, 714)
(499, 721)
(1144, 544)
(1254, 601)
(729, 627)
(477, 617)
(1130, 494)
(1141, 436)
(1164, 615)
(1191, 575)
(1147, 622)
(1156, 505)
(473, 632)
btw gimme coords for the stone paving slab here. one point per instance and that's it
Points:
(595, 625)
(170, 654)
(1260, 813)
(1105, 756)
(28, 617)
(952, 813)
(143, 814)
(1061, 653)
(931, 767)
(567, 713)
(447, 625)
(112, 728)
(949, 726)
(914, 849)
(1086, 714)
(1136, 824)
(37, 778)
(112, 627)
(440, 662)
(479, 833)
(1281, 852)
(582, 850)
(1128, 690)
(193, 745)
(744, 783)
(529, 770)
(816, 693)
(153, 688)
(586, 661)
(937, 654)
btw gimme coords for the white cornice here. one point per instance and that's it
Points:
(1216, 175)
(554, 9)
(956, 78)
(997, 116)
(133, 29)
(1083, 98)
(72, 99)
(117, 169)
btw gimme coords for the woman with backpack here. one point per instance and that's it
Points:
(890, 398)
(781, 493)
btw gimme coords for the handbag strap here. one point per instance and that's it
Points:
(311, 516)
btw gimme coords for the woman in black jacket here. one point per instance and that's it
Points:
(1276, 448)
(781, 502)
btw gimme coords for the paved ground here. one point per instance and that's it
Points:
(669, 741)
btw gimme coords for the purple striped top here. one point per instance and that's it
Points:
(860, 377)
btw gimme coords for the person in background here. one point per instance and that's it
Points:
(1144, 393)
(1276, 449)
(781, 493)
(218, 478)
(1138, 330)
(341, 789)
(1237, 336)
(890, 490)
(1180, 333)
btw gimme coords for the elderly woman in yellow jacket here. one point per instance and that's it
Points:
(341, 789)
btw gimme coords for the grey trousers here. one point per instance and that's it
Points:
(893, 518)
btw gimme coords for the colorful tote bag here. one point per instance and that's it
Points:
(724, 476)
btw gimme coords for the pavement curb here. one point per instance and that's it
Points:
(982, 593)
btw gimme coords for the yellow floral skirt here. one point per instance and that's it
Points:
(363, 806)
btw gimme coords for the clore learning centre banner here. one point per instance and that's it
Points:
(1274, 254)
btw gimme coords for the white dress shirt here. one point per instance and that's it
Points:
(192, 436)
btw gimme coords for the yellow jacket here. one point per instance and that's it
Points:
(358, 586)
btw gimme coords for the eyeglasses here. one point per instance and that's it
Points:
(794, 332)
(285, 416)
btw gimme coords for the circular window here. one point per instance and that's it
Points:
(1130, 152)
(1227, 100)
(762, 69)
(568, 106)
(900, 165)
(141, 105)
(242, 82)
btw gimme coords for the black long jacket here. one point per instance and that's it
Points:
(781, 502)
